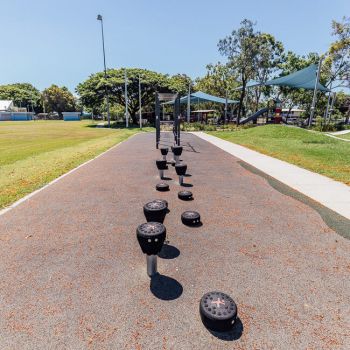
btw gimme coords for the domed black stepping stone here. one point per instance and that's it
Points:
(218, 311)
(151, 237)
(155, 211)
(185, 195)
(162, 187)
(191, 218)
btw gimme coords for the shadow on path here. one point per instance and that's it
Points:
(165, 288)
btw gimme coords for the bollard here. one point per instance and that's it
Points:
(181, 171)
(161, 165)
(218, 311)
(151, 237)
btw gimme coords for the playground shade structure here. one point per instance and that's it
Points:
(199, 96)
(302, 79)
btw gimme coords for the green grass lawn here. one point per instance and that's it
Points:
(33, 153)
(312, 151)
(344, 136)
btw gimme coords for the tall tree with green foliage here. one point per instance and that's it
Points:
(58, 99)
(337, 59)
(180, 83)
(252, 55)
(22, 94)
(92, 91)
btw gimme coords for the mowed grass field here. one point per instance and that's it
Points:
(33, 153)
(309, 150)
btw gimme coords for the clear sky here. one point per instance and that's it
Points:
(59, 41)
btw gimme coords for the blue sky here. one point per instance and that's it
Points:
(45, 42)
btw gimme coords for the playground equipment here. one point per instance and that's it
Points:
(191, 218)
(185, 195)
(161, 165)
(180, 169)
(155, 211)
(218, 311)
(177, 151)
(164, 151)
(151, 237)
(162, 98)
(162, 187)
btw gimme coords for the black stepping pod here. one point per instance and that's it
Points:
(218, 311)
(164, 151)
(191, 218)
(181, 169)
(162, 187)
(151, 237)
(185, 195)
(155, 211)
(161, 165)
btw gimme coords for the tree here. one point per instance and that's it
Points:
(251, 54)
(92, 91)
(266, 62)
(58, 99)
(338, 56)
(180, 83)
(22, 94)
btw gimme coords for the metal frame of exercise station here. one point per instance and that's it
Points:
(166, 97)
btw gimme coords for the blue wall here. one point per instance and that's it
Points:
(70, 118)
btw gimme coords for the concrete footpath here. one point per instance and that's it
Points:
(73, 276)
(330, 193)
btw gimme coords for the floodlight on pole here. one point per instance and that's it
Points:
(99, 18)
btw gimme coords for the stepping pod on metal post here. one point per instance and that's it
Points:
(155, 211)
(181, 169)
(218, 311)
(161, 165)
(151, 237)
(177, 151)
(164, 151)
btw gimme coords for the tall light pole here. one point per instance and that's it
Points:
(140, 103)
(126, 99)
(99, 18)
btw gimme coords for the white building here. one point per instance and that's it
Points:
(6, 105)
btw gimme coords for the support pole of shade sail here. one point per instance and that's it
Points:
(225, 121)
(126, 99)
(189, 103)
(332, 105)
(314, 97)
(140, 103)
(328, 102)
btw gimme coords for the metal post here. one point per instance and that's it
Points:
(332, 105)
(225, 121)
(140, 106)
(181, 180)
(126, 99)
(315, 93)
(157, 121)
(151, 265)
(99, 18)
(189, 103)
(328, 100)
